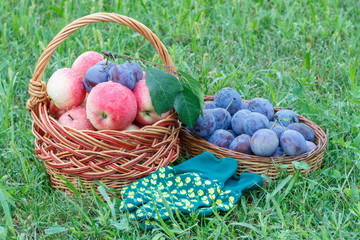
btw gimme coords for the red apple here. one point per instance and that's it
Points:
(54, 111)
(145, 110)
(76, 118)
(66, 88)
(111, 106)
(144, 76)
(85, 99)
(85, 61)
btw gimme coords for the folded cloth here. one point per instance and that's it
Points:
(197, 184)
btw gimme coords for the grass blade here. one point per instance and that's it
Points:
(6, 209)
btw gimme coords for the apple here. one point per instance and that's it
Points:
(54, 111)
(76, 118)
(66, 89)
(85, 99)
(132, 127)
(145, 110)
(144, 76)
(111, 105)
(85, 61)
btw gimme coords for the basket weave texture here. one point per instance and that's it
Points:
(195, 145)
(116, 158)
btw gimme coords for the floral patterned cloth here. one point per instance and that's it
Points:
(200, 184)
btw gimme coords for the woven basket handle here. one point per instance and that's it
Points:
(37, 88)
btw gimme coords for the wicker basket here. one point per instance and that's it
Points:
(116, 158)
(195, 145)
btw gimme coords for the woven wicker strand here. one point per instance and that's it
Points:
(116, 158)
(195, 145)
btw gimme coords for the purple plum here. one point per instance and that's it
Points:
(264, 142)
(241, 144)
(293, 143)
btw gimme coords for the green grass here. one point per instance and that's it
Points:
(299, 54)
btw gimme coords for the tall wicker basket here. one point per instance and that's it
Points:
(116, 158)
(258, 164)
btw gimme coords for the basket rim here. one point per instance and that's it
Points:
(320, 139)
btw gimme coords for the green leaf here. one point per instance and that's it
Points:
(301, 165)
(187, 106)
(55, 230)
(194, 85)
(163, 88)
(283, 166)
(122, 225)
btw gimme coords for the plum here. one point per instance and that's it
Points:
(278, 130)
(286, 117)
(273, 124)
(97, 74)
(241, 144)
(209, 105)
(264, 142)
(222, 117)
(237, 121)
(204, 126)
(255, 121)
(278, 153)
(304, 129)
(244, 105)
(107, 65)
(136, 69)
(293, 143)
(232, 132)
(310, 146)
(245, 110)
(221, 138)
(225, 96)
(263, 106)
(123, 75)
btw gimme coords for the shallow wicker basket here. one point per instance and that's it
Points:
(116, 158)
(195, 145)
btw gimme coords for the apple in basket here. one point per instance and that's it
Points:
(135, 127)
(66, 89)
(85, 61)
(145, 110)
(111, 105)
(54, 111)
(76, 118)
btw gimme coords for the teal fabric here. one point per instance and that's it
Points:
(199, 184)
(232, 191)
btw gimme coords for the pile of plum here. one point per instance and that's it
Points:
(252, 127)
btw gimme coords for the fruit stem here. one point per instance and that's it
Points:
(71, 117)
(231, 103)
(277, 120)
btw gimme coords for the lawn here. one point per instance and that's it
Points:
(299, 54)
